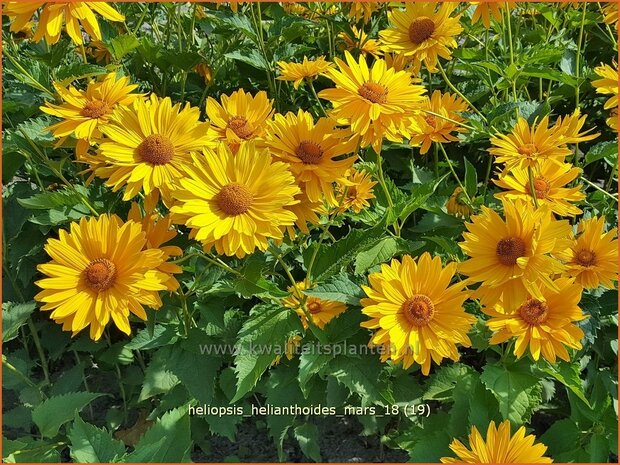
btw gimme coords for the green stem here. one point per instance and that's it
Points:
(460, 123)
(21, 376)
(453, 172)
(603, 191)
(37, 344)
(530, 174)
(459, 93)
(487, 177)
(512, 55)
(578, 73)
(309, 81)
(381, 177)
(119, 378)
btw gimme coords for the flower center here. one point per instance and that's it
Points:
(156, 149)
(542, 186)
(509, 249)
(314, 307)
(419, 310)
(528, 150)
(373, 92)
(95, 109)
(309, 152)
(586, 257)
(421, 29)
(234, 199)
(100, 274)
(533, 312)
(240, 126)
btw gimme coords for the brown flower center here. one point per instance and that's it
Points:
(240, 126)
(234, 199)
(586, 257)
(421, 29)
(156, 149)
(542, 186)
(528, 150)
(100, 274)
(314, 307)
(373, 92)
(533, 312)
(95, 109)
(419, 310)
(509, 249)
(309, 152)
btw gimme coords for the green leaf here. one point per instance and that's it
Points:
(158, 378)
(250, 57)
(363, 377)
(607, 151)
(562, 436)
(197, 373)
(516, 390)
(383, 251)
(162, 335)
(307, 436)
(122, 45)
(67, 74)
(419, 194)
(339, 288)
(548, 73)
(309, 365)
(568, 375)
(54, 412)
(441, 385)
(471, 179)
(168, 440)
(252, 280)
(11, 163)
(13, 317)
(263, 336)
(90, 444)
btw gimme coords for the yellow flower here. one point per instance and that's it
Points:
(289, 350)
(297, 9)
(429, 128)
(499, 447)
(592, 258)
(545, 324)
(158, 230)
(52, 15)
(100, 270)
(608, 85)
(550, 179)
(567, 129)
(527, 146)
(359, 40)
(355, 190)
(307, 212)
(610, 13)
(235, 203)
(205, 71)
(321, 311)
(486, 10)
(305, 70)
(457, 205)
(422, 32)
(312, 151)
(363, 11)
(418, 315)
(513, 256)
(147, 146)
(376, 102)
(99, 51)
(240, 117)
(84, 112)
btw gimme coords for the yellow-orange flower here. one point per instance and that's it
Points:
(486, 10)
(321, 311)
(359, 11)
(307, 69)
(204, 70)
(359, 40)
(608, 85)
(306, 212)
(610, 13)
(355, 190)
(457, 205)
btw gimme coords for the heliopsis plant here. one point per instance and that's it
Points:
(312, 309)
(306, 70)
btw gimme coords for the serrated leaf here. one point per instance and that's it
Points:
(339, 288)
(362, 377)
(122, 45)
(90, 444)
(162, 335)
(307, 436)
(383, 251)
(419, 194)
(441, 384)
(158, 378)
(67, 74)
(607, 151)
(14, 315)
(568, 375)
(250, 57)
(47, 200)
(54, 412)
(309, 365)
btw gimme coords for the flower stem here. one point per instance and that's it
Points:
(530, 173)
(37, 343)
(453, 172)
(309, 81)
(459, 93)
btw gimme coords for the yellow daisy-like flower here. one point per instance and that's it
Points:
(608, 85)
(592, 258)
(567, 129)
(147, 146)
(235, 202)
(359, 40)
(376, 102)
(457, 205)
(99, 51)
(545, 324)
(100, 270)
(527, 146)
(610, 13)
(355, 190)
(307, 212)
(307, 69)
(429, 128)
(321, 311)
(84, 112)
(289, 350)
(359, 11)
(205, 71)
(486, 10)
(499, 447)
(158, 230)
(513, 256)
(312, 151)
(418, 315)
(422, 32)
(550, 180)
(53, 14)
(240, 117)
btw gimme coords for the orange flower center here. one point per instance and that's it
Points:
(509, 249)
(95, 109)
(542, 186)
(240, 126)
(586, 257)
(421, 29)
(419, 310)
(314, 307)
(234, 199)
(100, 274)
(156, 149)
(309, 152)
(533, 312)
(373, 92)
(528, 150)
